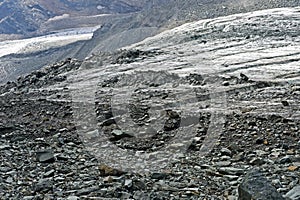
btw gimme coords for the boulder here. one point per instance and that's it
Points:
(256, 187)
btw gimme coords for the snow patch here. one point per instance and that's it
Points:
(45, 42)
(64, 16)
(100, 7)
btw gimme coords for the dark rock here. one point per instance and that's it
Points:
(285, 160)
(45, 156)
(109, 171)
(6, 129)
(244, 77)
(225, 151)
(226, 83)
(108, 122)
(259, 141)
(159, 175)
(44, 185)
(139, 185)
(73, 198)
(285, 103)
(195, 79)
(256, 187)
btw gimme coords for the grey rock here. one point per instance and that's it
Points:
(118, 134)
(44, 185)
(125, 195)
(231, 170)
(49, 173)
(223, 164)
(73, 198)
(226, 152)
(294, 194)
(4, 147)
(231, 178)
(139, 185)
(138, 195)
(45, 156)
(159, 175)
(128, 183)
(28, 197)
(9, 180)
(4, 169)
(285, 160)
(256, 187)
(86, 191)
(257, 161)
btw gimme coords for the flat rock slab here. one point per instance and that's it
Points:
(45, 156)
(256, 187)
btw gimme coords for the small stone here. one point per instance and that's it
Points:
(109, 171)
(49, 173)
(128, 183)
(285, 103)
(257, 161)
(231, 171)
(108, 179)
(9, 180)
(45, 156)
(233, 183)
(4, 147)
(231, 178)
(223, 164)
(4, 169)
(107, 122)
(86, 191)
(118, 134)
(28, 197)
(260, 141)
(226, 152)
(226, 83)
(125, 195)
(159, 175)
(59, 178)
(139, 185)
(73, 198)
(141, 195)
(285, 160)
(244, 77)
(292, 168)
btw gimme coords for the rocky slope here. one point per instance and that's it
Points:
(185, 114)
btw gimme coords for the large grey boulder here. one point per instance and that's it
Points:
(256, 187)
